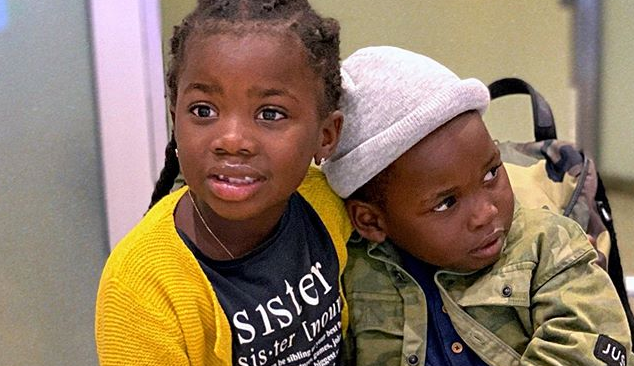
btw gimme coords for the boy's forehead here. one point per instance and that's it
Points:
(447, 135)
(458, 146)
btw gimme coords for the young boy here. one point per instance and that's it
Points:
(451, 270)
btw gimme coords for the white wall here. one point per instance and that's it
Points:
(617, 133)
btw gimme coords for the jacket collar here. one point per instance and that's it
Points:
(385, 251)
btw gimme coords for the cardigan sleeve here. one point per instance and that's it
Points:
(154, 320)
(129, 332)
(154, 304)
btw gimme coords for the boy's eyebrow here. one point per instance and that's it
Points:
(432, 197)
(443, 193)
(494, 157)
(205, 88)
(271, 92)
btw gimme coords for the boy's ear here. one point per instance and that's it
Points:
(368, 219)
(330, 136)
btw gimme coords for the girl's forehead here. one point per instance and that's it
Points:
(247, 61)
(272, 37)
(246, 45)
(216, 28)
(273, 49)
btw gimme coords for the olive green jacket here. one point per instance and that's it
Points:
(545, 302)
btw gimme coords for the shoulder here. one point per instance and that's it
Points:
(317, 192)
(544, 226)
(364, 273)
(152, 252)
(329, 207)
(549, 240)
(359, 262)
(538, 219)
(359, 259)
(155, 285)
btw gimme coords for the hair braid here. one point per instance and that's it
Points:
(168, 173)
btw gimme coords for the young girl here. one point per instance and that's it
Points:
(238, 267)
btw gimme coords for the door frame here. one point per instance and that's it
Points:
(129, 90)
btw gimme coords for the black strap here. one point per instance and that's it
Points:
(615, 269)
(543, 120)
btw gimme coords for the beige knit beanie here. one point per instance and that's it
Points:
(392, 99)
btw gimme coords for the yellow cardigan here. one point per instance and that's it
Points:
(155, 305)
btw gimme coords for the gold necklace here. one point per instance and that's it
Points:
(207, 226)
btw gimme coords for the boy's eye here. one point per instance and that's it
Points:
(492, 173)
(203, 111)
(445, 204)
(270, 114)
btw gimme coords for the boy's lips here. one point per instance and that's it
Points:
(235, 183)
(490, 246)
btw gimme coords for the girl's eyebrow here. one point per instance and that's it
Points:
(271, 92)
(253, 92)
(205, 88)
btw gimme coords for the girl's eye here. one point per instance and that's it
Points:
(445, 204)
(270, 114)
(492, 173)
(203, 111)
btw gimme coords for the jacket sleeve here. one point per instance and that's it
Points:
(577, 316)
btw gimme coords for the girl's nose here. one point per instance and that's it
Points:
(483, 212)
(234, 136)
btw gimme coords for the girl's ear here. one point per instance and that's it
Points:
(368, 219)
(329, 136)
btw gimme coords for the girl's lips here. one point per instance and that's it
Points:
(236, 180)
(234, 188)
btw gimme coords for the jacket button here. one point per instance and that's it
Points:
(456, 347)
(412, 359)
(507, 291)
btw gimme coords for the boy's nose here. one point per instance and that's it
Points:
(233, 136)
(483, 213)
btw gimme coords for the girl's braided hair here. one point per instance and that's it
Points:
(319, 35)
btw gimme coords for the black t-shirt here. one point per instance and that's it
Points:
(282, 300)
